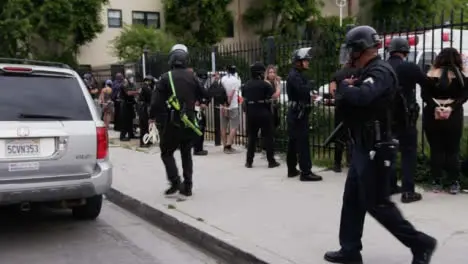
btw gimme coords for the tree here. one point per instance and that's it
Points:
(48, 29)
(15, 27)
(394, 15)
(272, 17)
(197, 22)
(130, 44)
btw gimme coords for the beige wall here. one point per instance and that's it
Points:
(98, 52)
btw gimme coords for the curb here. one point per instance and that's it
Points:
(215, 241)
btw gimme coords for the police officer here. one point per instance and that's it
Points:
(258, 95)
(127, 107)
(198, 150)
(368, 101)
(144, 101)
(173, 110)
(409, 74)
(298, 90)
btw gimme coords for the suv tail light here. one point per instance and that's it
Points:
(102, 143)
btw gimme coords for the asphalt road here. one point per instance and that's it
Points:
(117, 237)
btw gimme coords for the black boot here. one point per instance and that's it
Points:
(175, 186)
(337, 168)
(186, 189)
(409, 197)
(424, 254)
(200, 153)
(294, 173)
(310, 177)
(343, 258)
(273, 164)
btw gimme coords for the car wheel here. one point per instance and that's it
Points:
(90, 210)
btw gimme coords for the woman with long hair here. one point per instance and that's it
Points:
(444, 96)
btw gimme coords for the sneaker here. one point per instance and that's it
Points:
(248, 165)
(410, 197)
(454, 188)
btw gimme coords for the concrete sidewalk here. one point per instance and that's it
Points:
(259, 216)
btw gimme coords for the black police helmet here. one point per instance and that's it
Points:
(148, 78)
(178, 56)
(302, 54)
(231, 69)
(362, 38)
(257, 69)
(399, 45)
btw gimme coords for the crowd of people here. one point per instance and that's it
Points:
(375, 105)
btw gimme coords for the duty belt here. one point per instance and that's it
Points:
(295, 103)
(260, 101)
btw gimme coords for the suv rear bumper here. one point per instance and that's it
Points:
(97, 183)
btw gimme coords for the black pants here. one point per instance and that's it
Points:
(127, 114)
(298, 144)
(367, 190)
(171, 139)
(143, 119)
(199, 140)
(408, 148)
(261, 121)
(117, 115)
(444, 138)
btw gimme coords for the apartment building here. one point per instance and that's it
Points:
(149, 12)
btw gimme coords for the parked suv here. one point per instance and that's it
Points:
(53, 144)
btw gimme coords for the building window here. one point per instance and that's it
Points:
(229, 28)
(149, 19)
(114, 18)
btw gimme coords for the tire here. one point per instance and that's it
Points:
(90, 210)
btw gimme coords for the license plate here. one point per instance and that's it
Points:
(22, 148)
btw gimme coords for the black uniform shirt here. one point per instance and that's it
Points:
(126, 87)
(255, 92)
(297, 87)
(145, 94)
(188, 91)
(409, 74)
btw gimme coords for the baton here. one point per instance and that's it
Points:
(334, 134)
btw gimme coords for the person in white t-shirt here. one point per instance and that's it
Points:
(230, 114)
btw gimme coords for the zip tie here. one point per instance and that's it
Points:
(152, 135)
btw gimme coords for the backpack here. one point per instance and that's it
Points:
(217, 92)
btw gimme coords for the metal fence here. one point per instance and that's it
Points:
(426, 40)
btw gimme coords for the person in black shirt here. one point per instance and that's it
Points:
(198, 150)
(409, 74)
(346, 72)
(144, 100)
(127, 105)
(172, 102)
(444, 96)
(257, 95)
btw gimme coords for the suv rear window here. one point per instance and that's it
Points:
(22, 96)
